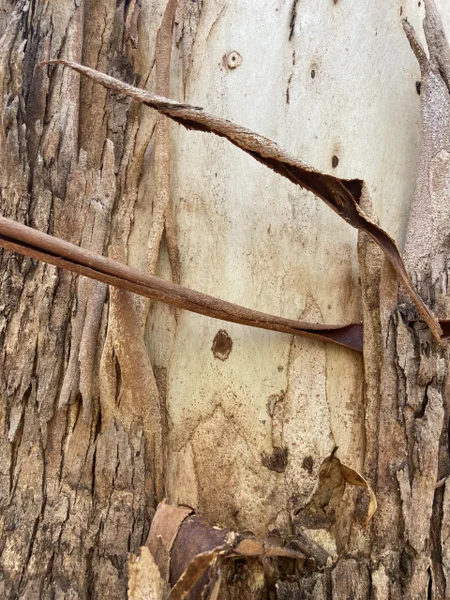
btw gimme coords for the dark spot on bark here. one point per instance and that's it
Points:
(288, 88)
(161, 381)
(419, 4)
(308, 464)
(313, 73)
(118, 372)
(277, 461)
(294, 500)
(232, 60)
(335, 1)
(222, 345)
(239, 571)
(405, 565)
(401, 10)
(418, 86)
(334, 161)
(361, 507)
(98, 430)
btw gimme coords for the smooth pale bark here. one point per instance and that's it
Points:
(101, 418)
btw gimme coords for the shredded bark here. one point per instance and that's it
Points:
(406, 373)
(24, 240)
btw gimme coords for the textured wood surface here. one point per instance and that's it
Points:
(106, 409)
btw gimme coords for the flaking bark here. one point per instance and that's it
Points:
(342, 196)
(406, 372)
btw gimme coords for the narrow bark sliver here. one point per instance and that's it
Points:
(25, 240)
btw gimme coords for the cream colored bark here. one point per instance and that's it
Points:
(106, 409)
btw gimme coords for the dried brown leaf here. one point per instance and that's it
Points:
(354, 478)
(191, 548)
(195, 569)
(328, 492)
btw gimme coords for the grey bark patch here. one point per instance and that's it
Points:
(222, 345)
(310, 587)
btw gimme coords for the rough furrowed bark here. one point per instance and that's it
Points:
(77, 477)
(406, 371)
(162, 210)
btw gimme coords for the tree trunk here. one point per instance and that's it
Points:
(110, 403)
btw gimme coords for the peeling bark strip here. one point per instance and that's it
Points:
(162, 218)
(426, 246)
(406, 373)
(341, 195)
(190, 553)
(24, 240)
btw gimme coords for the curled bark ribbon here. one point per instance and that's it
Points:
(339, 194)
(25, 240)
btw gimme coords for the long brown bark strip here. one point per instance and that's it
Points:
(162, 211)
(25, 240)
(341, 195)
